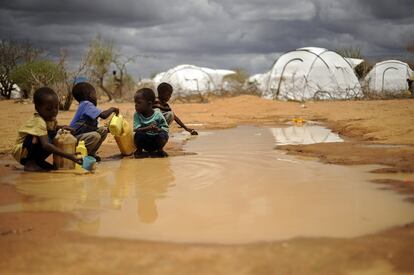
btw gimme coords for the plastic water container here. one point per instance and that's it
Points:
(67, 143)
(89, 163)
(116, 125)
(81, 149)
(125, 141)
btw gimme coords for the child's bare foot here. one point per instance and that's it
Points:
(46, 165)
(159, 154)
(32, 166)
(98, 158)
(140, 154)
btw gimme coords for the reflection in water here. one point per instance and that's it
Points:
(149, 187)
(237, 189)
(304, 134)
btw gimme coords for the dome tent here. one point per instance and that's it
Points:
(188, 79)
(259, 81)
(388, 76)
(312, 73)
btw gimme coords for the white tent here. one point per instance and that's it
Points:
(259, 81)
(389, 76)
(188, 79)
(16, 93)
(354, 61)
(312, 73)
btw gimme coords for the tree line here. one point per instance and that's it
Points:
(30, 67)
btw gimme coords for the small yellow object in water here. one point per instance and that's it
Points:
(298, 120)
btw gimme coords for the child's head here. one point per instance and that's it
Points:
(164, 91)
(84, 91)
(144, 99)
(46, 103)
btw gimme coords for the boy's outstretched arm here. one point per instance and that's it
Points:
(179, 122)
(44, 141)
(105, 114)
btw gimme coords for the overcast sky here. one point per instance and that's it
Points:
(219, 34)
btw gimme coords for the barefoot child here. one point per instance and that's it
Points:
(85, 121)
(34, 143)
(164, 94)
(150, 127)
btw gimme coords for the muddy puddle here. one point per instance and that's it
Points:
(237, 189)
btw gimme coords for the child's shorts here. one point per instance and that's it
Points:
(151, 143)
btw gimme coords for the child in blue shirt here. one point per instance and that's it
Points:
(85, 121)
(150, 126)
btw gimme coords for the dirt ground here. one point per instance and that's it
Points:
(35, 243)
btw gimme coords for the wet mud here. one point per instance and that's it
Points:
(382, 136)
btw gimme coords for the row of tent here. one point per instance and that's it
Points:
(302, 74)
(317, 73)
(306, 73)
(190, 79)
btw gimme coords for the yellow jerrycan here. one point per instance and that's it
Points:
(125, 141)
(67, 143)
(115, 125)
(81, 149)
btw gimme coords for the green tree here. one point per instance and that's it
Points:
(12, 54)
(354, 52)
(64, 87)
(240, 76)
(101, 55)
(128, 86)
(121, 79)
(36, 74)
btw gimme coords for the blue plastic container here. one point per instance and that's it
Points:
(89, 163)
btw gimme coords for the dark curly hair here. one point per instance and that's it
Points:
(164, 88)
(82, 90)
(147, 93)
(41, 94)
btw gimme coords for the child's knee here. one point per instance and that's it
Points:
(138, 137)
(91, 139)
(103, 131)
(96, 137)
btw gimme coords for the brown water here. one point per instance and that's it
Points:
(237, 189)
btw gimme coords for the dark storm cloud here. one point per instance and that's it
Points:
(390, 9)
(219, 34)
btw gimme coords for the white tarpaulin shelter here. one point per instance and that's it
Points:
(259, 81)
(389, 76)
(188, 79)
(354, 61)
(312, 73)
(16, 93)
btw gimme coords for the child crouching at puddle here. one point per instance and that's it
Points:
(150, 126)
(85, 120)
(165, 91)
(34, 143)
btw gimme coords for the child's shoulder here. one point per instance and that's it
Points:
(85, 103)
(157, 112)
(37, 126)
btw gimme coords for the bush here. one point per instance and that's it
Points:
(33, 75)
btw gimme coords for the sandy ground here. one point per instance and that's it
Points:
(35, 242)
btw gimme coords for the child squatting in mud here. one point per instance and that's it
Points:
(165, 91)
(150, 126)
(85, 120)
(34, 142)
